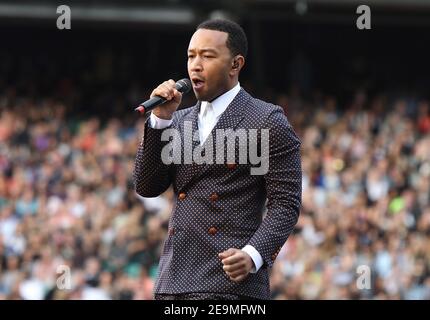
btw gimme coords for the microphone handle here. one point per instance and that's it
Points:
(150, 104)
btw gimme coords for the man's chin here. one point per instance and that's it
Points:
(200, 96)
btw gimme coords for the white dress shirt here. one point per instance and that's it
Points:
(207, 120)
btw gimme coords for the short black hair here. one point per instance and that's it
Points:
(237, 42)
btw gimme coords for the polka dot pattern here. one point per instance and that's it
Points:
(203, 225)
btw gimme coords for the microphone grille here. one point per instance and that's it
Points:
(183, 85)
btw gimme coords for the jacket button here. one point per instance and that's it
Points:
(182, 196)
(171, 231)
(231, 166)
(214, 196)
(212, 230)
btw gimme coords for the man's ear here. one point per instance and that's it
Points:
(238, 62)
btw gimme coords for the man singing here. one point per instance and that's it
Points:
(218, 244)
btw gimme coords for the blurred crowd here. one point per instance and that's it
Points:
(366, 210)
(68, 205)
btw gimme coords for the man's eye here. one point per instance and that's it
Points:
(190, 57)
(208, 57)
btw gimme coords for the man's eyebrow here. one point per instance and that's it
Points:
(204, 50)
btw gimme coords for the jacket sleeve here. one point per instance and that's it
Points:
(151, 176)
(284, 188)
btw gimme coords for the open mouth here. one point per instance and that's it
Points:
(197, 83)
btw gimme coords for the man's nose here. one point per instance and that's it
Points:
(196, 65)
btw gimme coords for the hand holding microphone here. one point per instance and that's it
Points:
(166, 98)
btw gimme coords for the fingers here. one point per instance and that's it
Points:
(167, 90)
(234, 264)
(236, 272)
(233, 267)
(237, 264)
(234, 275)
(227, 253)
(232, 259)
(238, 275)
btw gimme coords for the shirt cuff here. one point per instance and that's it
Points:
(158, 123)
(255, 256)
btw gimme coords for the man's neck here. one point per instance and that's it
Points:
(231, 87)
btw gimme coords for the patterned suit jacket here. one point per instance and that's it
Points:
(221, 206)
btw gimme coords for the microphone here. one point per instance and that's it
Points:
(183, 86)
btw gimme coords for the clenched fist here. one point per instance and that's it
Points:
(237, 264)
(168, 91)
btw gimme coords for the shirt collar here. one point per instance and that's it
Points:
(222, 102)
